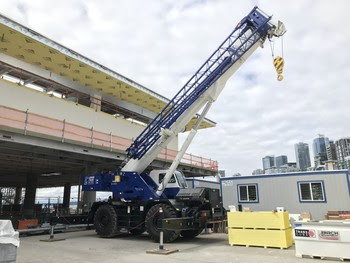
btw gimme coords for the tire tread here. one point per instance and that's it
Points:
(110, 231)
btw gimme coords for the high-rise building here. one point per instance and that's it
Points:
(343, 153)
(302, 156)
(222, 173)
(268, 162)
(281, 160)
(331, 151)
(320, 151)
(258, 172)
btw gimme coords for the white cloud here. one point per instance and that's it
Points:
(161, 43)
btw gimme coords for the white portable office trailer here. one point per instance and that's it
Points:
(315, 192)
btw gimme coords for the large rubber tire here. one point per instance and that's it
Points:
(105, 221)
(151, 223)
(191, 233)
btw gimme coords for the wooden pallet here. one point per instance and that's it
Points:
(321, 257)
(261, 237)
(240, 245)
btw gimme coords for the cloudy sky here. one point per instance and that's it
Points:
(160, 44)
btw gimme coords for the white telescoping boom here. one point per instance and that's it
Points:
(200, 91)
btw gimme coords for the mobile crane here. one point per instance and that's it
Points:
(139, 198)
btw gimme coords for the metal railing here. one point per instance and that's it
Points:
(28, 123)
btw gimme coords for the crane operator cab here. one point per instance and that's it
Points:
(176, 182)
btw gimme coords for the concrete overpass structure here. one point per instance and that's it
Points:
(63, 116)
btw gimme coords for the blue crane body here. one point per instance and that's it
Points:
(138, 195)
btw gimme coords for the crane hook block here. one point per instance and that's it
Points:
(278, 63)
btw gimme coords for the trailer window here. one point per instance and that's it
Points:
(311, 191)
(248, 193)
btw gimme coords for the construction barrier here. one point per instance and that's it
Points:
(27, 223)
(265, 229)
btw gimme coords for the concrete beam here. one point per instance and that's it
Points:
(57, 146)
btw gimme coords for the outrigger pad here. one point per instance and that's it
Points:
(162, 251)
(52, 239)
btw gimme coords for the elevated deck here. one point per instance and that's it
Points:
(59, 150)
(57, 61)
(26, 123)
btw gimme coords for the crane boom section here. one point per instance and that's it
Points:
(205, 85)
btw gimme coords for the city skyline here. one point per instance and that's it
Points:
(321, 145)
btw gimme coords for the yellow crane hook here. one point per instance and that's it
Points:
(278, 63)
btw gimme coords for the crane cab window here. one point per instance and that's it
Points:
(177, 179)
(181, 179)
(171, 181)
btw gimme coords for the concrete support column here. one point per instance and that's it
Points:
(18, 195)
(89, 197)
(66, 195)
(95, 101)
(29, 198)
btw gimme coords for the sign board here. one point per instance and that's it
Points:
(305, 233)
(227, 183)
(329, 235)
